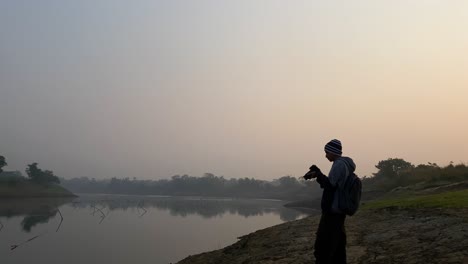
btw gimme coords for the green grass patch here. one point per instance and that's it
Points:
(455, 199)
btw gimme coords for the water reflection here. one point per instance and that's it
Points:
(128, 229)
(183, 206)
(42, 215)
(34, 211)
(42, 210)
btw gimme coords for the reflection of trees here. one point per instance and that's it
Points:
(35, 211)
(204, 207)
(40, 216)
(41, 211)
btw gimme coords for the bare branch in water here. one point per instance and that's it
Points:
(100, 210)
(103, 215)
(61, 220)
(144, 212)
(139, 206)
(94, 209)
(13, 247)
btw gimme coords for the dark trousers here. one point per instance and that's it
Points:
(330, 243)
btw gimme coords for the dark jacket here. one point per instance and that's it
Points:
(332, 184)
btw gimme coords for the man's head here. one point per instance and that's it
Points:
(333, 150)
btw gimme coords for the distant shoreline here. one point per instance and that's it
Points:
(33, 190)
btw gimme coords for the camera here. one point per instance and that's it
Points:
(312, 173)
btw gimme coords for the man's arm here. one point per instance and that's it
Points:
(324, 182)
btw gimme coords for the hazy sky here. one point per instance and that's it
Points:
(150, 89)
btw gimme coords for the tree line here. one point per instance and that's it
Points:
(396, 172)
(33, 172)
(391, 173)
(287, 187)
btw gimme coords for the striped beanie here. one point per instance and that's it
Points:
(334, 147)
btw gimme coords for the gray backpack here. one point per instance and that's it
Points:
(351, 193)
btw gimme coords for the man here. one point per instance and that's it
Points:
(330, 242)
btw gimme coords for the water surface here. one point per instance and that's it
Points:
(128, 229)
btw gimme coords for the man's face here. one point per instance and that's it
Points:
(329, 156)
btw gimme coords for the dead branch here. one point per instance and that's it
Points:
(13, 247)
(61, 220)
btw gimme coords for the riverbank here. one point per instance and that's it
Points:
(376, 234)
(26, 189)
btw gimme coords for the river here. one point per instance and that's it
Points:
(128, 229)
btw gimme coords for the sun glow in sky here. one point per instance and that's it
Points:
(150, 89)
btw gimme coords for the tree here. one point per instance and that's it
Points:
(392, 168)
(3, 163)
(37, 175)
(289, 182)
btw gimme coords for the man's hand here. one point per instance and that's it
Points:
(312, 173)
(315, 169)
